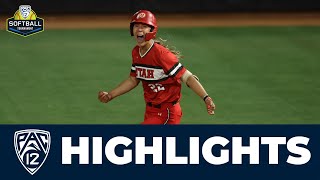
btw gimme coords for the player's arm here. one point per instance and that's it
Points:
(124, 87)
(193, 83)
(175, 69)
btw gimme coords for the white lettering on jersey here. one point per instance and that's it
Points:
(149, 74)
(156, 87)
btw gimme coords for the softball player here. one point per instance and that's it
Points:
(160, 72)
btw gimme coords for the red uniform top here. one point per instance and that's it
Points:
(160, 72)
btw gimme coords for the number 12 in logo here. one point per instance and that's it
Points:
(32, 148)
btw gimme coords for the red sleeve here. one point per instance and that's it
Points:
(133, 71)
(133, 67)
(171, 65)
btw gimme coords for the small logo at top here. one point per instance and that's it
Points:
(25, 22)
(141, 15)
(32, 148)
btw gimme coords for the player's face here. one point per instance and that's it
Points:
(139, 32)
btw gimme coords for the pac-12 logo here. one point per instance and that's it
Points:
(32, 148)
(25, 22)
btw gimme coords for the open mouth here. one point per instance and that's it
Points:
(140, 38)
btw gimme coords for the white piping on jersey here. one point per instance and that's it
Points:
(133, 68)
(175, 69)
(158, 74)
(147, 50)
(168, 117)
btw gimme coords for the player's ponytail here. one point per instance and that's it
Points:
(163, 42)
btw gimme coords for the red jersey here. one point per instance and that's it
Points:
(160, 72)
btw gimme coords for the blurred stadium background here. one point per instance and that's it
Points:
(259, 60)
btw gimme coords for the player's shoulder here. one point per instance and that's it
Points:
(164, 52)
(135, 49)
(160, 47)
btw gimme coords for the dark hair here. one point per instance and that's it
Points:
(163, 42)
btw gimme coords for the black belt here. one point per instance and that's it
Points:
(159, 105)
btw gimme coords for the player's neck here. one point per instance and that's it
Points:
(145, 48)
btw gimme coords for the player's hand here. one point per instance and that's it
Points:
(210, 105)
(104, 96)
